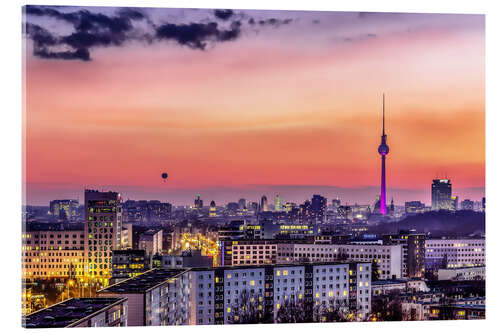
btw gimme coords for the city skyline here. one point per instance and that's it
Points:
(98, 128)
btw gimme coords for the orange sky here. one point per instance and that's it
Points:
(265, 109)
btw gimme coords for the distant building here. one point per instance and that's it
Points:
(198, 203)
(242, 204)
(278, 203)
(151, 241)
(454, 203)
(441, 194)
(64, 209)
(467, 204)
(213, 208)
(146, 212)
(127, 264)
(263, 204)
(305, 212)
(318, 209)
(232, 207)
(361, 212)
(414, 207)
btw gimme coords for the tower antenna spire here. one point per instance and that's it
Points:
(383, 113)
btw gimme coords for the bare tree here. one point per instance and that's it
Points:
(291, 311)
(249, 309)
(337, 312)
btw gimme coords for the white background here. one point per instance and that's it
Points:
(10, 156)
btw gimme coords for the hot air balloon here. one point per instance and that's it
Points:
(164, 176)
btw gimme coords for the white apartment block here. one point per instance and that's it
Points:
(454, 253)
(388, 257)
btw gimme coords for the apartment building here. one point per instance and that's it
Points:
(454, 253)
(388, 257)
(52, 250)
(156, 298)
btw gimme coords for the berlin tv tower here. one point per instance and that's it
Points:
(383, 150)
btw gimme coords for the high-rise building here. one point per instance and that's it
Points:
(335, 204)
(103, 225)
(64, 209)
(213, 208)
(305, 212)
(242, 203)
(441, 194)
(198, 203)
(318, 209)
(263, 204)
(278, 203)
(383, 150)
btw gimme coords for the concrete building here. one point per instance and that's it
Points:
(462, 273)
(413, 246)
(217, 294)
(53, 250)
(454, 253)
(151, 241)
(388, 257)
(80, 312)
(188, 259)
(156, 298)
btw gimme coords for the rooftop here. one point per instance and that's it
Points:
(142, 283)
(69, 312)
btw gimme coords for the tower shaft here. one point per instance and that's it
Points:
(383, 201)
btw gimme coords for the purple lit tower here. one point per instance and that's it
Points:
(383, 150)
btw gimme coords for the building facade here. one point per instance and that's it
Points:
(52, 250)
(454, 253)
(441, 194)
(102, 229)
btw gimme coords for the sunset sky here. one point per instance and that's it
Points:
(243, 103)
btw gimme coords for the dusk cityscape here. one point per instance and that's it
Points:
(200, 167)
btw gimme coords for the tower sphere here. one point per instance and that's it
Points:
(383, 149)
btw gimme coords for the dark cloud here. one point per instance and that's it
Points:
(223, 14)
(91, 30)
(101, 30)
(79, 54)
(43, 40)
(274, 22)
(198, 35)
(358, 38)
